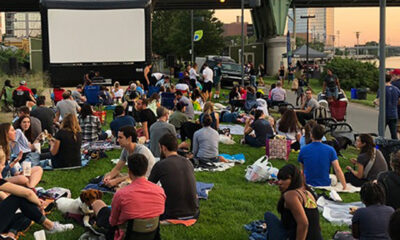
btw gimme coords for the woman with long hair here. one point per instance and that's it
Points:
(297, 206)
(90, 124)
(117, 92)
(306, 138)
(8, 142)
(14, 197)
(370, 162)
(289, 127)
(261, 127)
(209, 109)
(24, 123)
(65, 147)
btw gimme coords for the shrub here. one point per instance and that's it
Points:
(354, 74)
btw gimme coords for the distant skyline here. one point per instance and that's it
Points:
(348, 21)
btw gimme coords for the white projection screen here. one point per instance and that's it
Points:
(94, 36)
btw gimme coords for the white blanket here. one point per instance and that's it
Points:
(235, 129)
(339, 188)
(221, 166)
(337, 213)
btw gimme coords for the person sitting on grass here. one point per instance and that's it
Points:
(289, 127)
(205, 142)
(141, 199)
(394, 224)
(306, 138)
(65, 147)
(372, 222)
(209, 109)
(278, 94)
(261, 127)
(390, 181)
(146, 117)
(178, 117)
(297, 206)
(159, 128)
(316, 160)
(90, 125)
(370, 162)
(45, 115)
(120, 120)
(176, 175)
(36, 125)
(127, 139)
(14, 197)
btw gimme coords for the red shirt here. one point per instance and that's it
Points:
(23, 88)
(140, 199)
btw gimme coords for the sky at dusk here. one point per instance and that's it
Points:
(348, 21)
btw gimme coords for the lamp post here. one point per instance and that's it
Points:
(192, 35)
(358, 43)
(242, 47)
(382, 65)
(308, 26)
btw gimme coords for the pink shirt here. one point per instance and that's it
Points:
(140, 199)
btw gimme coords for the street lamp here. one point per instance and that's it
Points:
(192, 36)
(308, 26)
(242, 47)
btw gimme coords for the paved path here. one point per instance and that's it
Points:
(362, 118)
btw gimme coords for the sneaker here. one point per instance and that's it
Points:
(58, 227)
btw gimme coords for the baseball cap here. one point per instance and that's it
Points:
(395, 72)
(22, 83)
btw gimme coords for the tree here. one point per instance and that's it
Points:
(319, 46)
(172, 33)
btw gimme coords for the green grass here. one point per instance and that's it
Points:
(232, 203)
(317, 88)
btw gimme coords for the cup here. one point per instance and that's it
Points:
(39, 235)
(37, 147)
(26, 167)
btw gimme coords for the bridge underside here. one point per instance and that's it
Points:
(33, 5)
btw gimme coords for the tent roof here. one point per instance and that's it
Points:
(301, 52)
(95, 4)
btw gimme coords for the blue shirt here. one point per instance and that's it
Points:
(317, 158)
(392, 99)
(119, 122)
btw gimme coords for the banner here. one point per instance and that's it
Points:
(289, 49)
(198, 35)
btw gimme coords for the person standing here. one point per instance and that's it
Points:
(208, 76)
(391, 103)
(217, 79)
(193, 75)
(331, 86)
(396, 82)
(147, 75)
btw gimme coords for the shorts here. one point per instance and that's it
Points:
(217, 85)
(332, 92)
(207, 86)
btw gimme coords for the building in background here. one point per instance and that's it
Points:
(23, 24)
(235, 28)
(2, 25)
(321, 27)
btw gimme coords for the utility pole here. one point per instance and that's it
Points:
(242, 47)
(382, 70)
(338, 37)
(358, 42)
(192, 35)
(308, 28)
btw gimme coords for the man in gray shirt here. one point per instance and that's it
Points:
(189, 105)
(77, 95)
(66, 106)
(307, 109)
(159, 129)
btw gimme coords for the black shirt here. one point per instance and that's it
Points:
(46, 117)
(176, 175)
(2, 181)
(148, 116)
(69, 152)
(330, 81)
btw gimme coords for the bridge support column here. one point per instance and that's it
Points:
(275, 48)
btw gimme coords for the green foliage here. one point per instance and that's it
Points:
(6, 54)
(319, 46)
(172, 33)
(354, 74)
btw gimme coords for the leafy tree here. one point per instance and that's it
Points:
(353, 73)
(172, 33)
(319, 46)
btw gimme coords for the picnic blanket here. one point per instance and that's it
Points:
(215, 167)
(339, 188)
(335, 212)
(203, 189)
(237, 158)
(234, 129)
(46, 164)
(100, 145)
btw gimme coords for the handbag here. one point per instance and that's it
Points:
(278, 148)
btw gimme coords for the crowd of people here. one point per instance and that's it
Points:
(148, 117)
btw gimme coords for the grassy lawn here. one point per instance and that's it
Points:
(317, 88)
(232, 203)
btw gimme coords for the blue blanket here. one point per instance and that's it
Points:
(203, 189)
(234, 158)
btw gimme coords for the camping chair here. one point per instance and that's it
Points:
(92, 94)
(143, 229)
(8, 99)
(167, 100)
(20, 98)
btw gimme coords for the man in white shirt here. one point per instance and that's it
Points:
(208, 81)
(278, 94)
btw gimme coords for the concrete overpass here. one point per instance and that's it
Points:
(269, 19)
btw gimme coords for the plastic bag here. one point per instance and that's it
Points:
(261, 170)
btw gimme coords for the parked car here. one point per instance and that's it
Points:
(231, 71)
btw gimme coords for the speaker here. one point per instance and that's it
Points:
(171, 60)
(13, 65)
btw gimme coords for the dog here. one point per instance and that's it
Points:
(81, 205)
